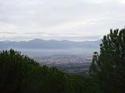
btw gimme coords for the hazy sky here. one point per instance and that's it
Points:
(59, 19)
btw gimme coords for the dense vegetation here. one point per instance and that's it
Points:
(20, 74)
(108, 68)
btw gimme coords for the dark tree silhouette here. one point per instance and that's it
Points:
(109, 69)
(20, 74)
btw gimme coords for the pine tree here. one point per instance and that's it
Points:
(109, 69)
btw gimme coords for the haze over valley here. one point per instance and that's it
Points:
(70, 56)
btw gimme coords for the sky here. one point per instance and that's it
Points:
(76, 20)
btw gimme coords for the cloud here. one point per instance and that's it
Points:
(59, 19)
(9, 33)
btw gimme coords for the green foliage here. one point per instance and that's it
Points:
(20, 74)
(109, 70)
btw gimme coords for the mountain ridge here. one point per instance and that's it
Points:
(48, 44)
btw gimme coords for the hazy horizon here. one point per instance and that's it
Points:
(37, 39)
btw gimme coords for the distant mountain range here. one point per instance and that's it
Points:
(48, 44)
(38, 48)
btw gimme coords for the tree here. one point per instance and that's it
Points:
(20, 74)
(13, 68)
(109, 69)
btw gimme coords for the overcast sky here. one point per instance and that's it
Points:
(59, 19)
